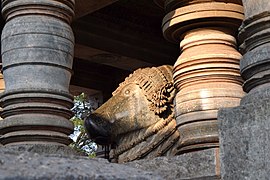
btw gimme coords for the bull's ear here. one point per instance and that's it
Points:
(162, 100)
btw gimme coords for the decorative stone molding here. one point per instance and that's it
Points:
(206, 75)
(37, 55)
(254, 37)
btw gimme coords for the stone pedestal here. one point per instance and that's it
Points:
(244, 130)
(206, 75)
(37, 55)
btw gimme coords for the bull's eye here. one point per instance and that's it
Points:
(127, 92)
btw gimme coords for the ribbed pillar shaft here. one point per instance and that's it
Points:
(37, 55)
(255, 46)
(206, 75)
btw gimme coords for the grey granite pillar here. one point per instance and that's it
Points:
(245, 130)
(37, 55)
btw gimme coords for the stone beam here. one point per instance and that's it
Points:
(94, 55)
(88, 75)
(84, 7)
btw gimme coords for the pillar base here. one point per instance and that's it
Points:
(245, 138)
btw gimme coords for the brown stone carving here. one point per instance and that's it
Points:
(2, 86)
(206, 75)
(37, 55)
(139, 118)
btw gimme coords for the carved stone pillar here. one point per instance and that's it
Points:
(37, 55)
(206, 75)
(244, 130)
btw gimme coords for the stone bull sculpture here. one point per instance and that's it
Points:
(139, 118)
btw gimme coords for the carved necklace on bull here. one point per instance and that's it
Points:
(155, 138)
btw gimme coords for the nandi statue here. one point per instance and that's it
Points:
(139, 119)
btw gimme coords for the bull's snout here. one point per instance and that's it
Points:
(96, 132)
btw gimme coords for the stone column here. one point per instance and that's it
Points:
(245, 130)
(206, 75)
(37, 55)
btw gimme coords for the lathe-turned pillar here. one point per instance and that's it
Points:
(244, 130)
(206, 75)
(37, 55)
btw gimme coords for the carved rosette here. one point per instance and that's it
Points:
(37, 55)
(254, 39)
(206, 75)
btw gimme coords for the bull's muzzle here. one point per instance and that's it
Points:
(96, 132)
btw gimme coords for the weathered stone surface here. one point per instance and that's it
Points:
(43, 149)
(253, 7)
(245, 140)
(23, 163)
(26, 165)
(195, 165)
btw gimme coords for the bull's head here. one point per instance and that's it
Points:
(141, 100)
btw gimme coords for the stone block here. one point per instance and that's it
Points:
(20, 162)
(202, 164)
(245, 138)
(23, 165)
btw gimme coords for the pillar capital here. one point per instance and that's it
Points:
(198, 15)
(170, 5)
(62, 9)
